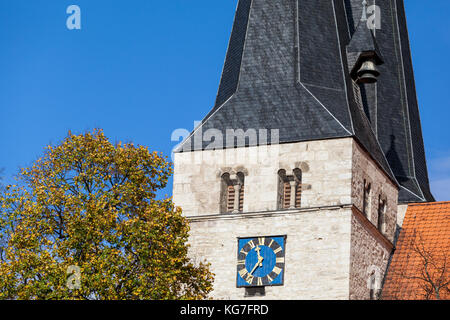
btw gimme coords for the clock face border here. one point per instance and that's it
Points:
(247, 285)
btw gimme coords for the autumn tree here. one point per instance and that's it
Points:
(84, 222)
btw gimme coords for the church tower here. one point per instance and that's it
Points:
(293, 180)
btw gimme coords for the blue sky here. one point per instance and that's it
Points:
(140, 69)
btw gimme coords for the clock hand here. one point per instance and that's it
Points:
(260, 260)
(258, 249)
(257, 265)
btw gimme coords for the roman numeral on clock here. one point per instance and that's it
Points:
(277, 270)
(244, 252)
(280, 260)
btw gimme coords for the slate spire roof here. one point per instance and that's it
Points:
(288, 67)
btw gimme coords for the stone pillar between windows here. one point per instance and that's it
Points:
(237, 194)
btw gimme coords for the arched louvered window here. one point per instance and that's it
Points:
(226, 194)
(230, 198)
(286, 195)
(382, 214)
(232, 194)
(289, 189)
(283, 189)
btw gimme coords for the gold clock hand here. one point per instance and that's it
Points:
(258, 249)
(260, 260)
(259, 263)
(254, 268)
(260, 257)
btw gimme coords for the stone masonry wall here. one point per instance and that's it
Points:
(364, 168)
(369, 258)
(370, 247)
(326, 171)
(330, 244)
(317, 251)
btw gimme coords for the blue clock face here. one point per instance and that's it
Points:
(261, 261)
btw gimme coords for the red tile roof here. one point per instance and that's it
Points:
(425, 237)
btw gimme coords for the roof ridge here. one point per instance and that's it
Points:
(428, 203)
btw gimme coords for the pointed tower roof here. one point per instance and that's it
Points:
(394, 99)
(286, 68)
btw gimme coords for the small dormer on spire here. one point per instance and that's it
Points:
(362, 52)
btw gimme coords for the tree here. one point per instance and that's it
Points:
(84, 223)
(432, 274)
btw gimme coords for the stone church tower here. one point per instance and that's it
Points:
(292, 182)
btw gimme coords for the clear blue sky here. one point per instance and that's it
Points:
(140, 69)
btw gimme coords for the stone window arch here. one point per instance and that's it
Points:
(367, 195)
(289, 189)
(232, 192)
